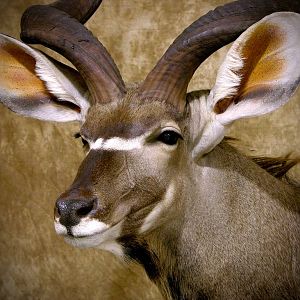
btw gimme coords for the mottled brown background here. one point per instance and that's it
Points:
(39, 160)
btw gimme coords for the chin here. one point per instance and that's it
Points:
(91, 233)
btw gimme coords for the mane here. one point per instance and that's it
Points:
(278, 167)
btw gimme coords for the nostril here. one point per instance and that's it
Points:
(86, 208)
(83, 211)
(71, 211)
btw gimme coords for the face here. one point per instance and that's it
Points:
(127, 183)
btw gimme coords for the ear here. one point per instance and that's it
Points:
(259, 74)
(34, 85)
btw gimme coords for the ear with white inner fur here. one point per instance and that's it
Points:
(34, 85)
(259, 74)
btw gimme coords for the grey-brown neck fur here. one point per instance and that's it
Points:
(233, 222)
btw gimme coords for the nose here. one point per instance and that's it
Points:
(71, 211)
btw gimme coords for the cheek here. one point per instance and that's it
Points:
(133, 189)
(155, 160)
(136, 184)
(142, 178)
(162, 162)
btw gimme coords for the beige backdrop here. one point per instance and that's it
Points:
(39, 160)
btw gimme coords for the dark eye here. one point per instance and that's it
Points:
(84, 142)
(169, 137)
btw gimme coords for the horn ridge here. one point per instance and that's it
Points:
(169, 79)
(56, 29)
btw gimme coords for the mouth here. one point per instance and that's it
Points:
(87, 227)
(89, 233)
(93, 233)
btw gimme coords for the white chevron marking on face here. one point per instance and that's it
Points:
(122, 144)
(117, 143)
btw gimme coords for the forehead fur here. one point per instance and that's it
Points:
(127, 118)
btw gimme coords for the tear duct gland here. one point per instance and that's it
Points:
(158, 185)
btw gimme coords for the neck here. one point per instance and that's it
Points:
(201, 252)
(163, 243)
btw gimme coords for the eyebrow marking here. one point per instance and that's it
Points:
(126, 144)
(117, 143)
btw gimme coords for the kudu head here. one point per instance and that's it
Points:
(144, 140)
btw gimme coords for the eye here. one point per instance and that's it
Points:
(85, 143)
(169, 137)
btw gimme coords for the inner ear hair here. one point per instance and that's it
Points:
(259, 63)
(222, 105)
(260, 70)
